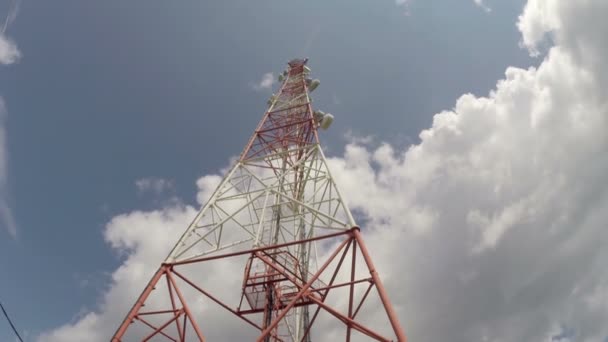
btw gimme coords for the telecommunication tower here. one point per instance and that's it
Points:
(279, 213)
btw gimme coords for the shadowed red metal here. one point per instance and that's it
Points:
(306, 293)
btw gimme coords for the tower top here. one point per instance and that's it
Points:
(297, 66)
(297, 62)
(289, 124)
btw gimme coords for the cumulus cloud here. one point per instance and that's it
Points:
(576, 28)
(497, 217)
(265, 83)
(146, 238)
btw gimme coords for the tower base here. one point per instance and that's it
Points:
(346, 254)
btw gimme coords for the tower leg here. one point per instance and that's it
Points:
(199, 334)
(138, 304)
(392, 316)
(136, 314)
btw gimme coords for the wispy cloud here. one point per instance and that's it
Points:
(9, 53)
(6, 216)
(154, 185)
(265, 83)
(336, 100)
(482, 5)
(11, 15)
(405, 5)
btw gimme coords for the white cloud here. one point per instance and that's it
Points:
(265, 83)
(9, 53)
(146, 237)
(154, 185)
(12, 14)
(482, 5)
(497, 218)
(350, 136)
(577, 27)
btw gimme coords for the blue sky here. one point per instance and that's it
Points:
(110, 92)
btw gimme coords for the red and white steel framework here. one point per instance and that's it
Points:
(278, 213)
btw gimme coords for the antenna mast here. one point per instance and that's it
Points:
(279, 212)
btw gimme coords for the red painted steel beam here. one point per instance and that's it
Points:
(169, 288)
(198, 331)
(324, 296)
(153, 327)
(156, 312)
(392, 315)
(215, 299)
(301, 292)
(160, 330)
(371, 285)
(351, 292)
(350, 322)
(259, 249)
(138, 304)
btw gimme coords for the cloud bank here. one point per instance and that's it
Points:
(497, 217)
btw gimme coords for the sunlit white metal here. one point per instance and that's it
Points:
(246, 198)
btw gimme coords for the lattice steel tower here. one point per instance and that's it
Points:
(278, 213)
